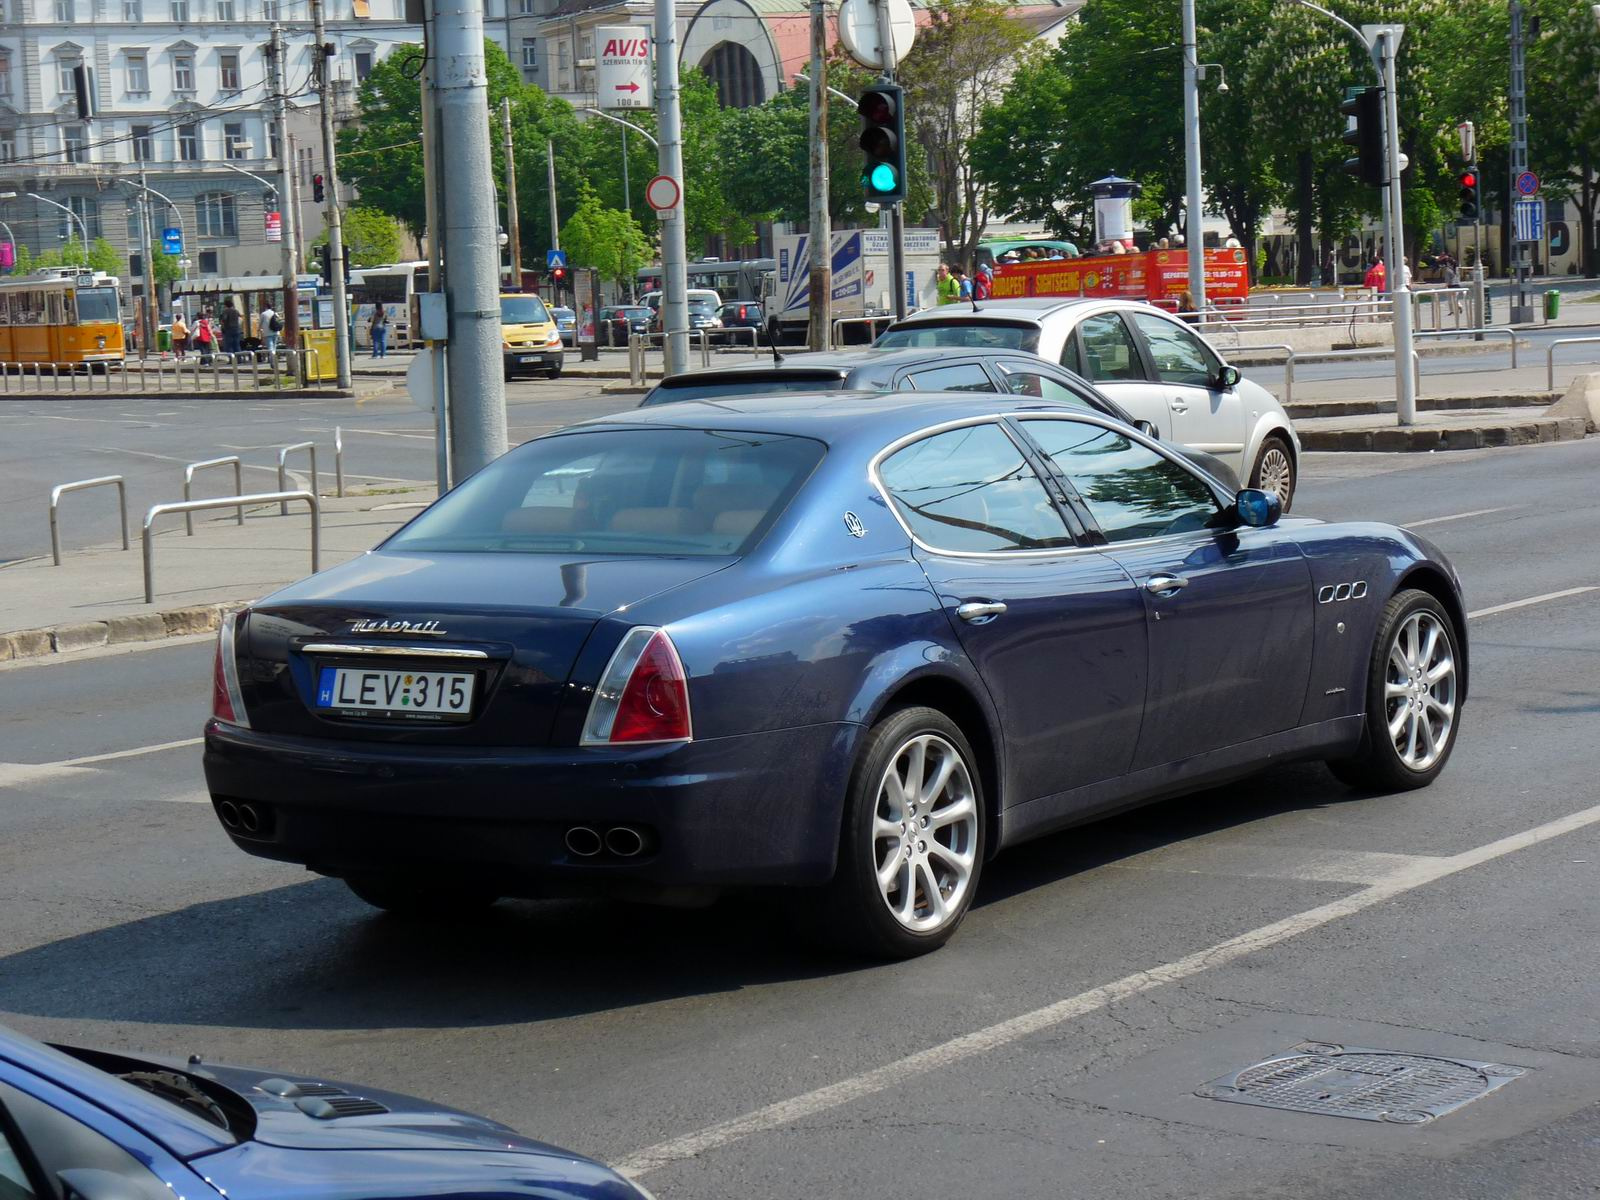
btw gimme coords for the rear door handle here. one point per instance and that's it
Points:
(980, 610)
(1165, 585)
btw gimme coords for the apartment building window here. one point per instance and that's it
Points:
(5, 75)
(182, 68)
(64, 69)
(141, 143)
(8, 145)
(75, 143)
(138, 74)
(84, 209)
(269, 10)
(136, 265)
(363, 65)
(274, 141)
(208, 262)
(180, 14)
(530, 54)
(189, 143)
(225, 10)
(232, 135)
(215, 213)
(230, 71)
(133, 11)
(525, 7)
(308, 165)
(66, 11)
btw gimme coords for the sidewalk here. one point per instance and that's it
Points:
(96, 596)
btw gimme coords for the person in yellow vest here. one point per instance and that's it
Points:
(948, 286)
(180, 334)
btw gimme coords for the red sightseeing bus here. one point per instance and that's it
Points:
(1159, 276)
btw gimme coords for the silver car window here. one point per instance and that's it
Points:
(1109, 352)
(964, 377)
(1179, 356)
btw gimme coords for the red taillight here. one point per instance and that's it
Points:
(226, 702)
(741, 312)
(643, 695)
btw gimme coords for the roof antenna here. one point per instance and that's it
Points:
(771, 344)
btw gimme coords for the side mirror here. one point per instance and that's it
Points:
(1148, 429)
(1257, 509)
(1228, 377)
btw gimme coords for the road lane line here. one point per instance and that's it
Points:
(1477, 512)
(112, 755)
(18, 774)
(1405, 878)
(1561, 595)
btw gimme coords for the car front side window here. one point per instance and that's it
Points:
(1022, 382)
(970, 490)
(964, 377)
(1109, 353)
(1179, 356)
(1131, 491)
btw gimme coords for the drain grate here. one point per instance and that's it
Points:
(1363, 1084)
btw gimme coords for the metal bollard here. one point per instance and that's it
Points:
(78, 486)
(191, 506)
(188, 482)
(283, 470)
(338, 461)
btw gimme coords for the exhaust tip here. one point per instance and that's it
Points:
(228, 813)
(249, 819)
(583, 842)
(624, 841)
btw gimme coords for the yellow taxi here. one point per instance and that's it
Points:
(529, 339)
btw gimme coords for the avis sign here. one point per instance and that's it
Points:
(622, 66)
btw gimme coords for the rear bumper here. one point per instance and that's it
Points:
(750, 810)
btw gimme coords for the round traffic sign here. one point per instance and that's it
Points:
(858, 30)
(1527, 183)
(663, 193)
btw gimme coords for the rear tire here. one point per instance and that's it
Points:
(415, 898)
(912, 843)
(1274, 470)
(1413, 699)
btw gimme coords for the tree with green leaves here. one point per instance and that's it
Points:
(607, 239)
(373, 239)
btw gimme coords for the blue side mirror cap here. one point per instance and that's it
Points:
(1258, 509)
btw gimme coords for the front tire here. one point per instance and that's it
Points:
(912, 844)
(1413, 698)
(1274, 470)
(414, 898)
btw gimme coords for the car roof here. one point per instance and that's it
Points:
(1005, 310)
(847, 361)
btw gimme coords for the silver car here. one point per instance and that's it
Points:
(1153, 365)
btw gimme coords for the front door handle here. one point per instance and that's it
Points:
(1165, 585)
(1179, 404)
(980, 610)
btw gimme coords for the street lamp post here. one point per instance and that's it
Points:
(84, 229)
(1194, 236)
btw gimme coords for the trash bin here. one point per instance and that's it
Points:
(164, 339)
(324, 363)
(1552, 305)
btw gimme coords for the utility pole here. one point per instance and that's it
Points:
(819, 306)
(1521, 300)
(513, 222)
(330, 168)
(471, 252)
(291, 319)
(1385, 43)
(437, 351)
(669, 160)
(897, 212)
(289, 219)
(555, 217)
(1194, 225)
(147, 327)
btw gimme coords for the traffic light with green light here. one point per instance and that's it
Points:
(883, 141)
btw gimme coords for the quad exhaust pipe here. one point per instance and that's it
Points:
(240, 816)
(583, 842)
(620, 841)
(249, 818)
(228, 813)
(624, 841)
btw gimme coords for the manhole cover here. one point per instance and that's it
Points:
(1367, 1085)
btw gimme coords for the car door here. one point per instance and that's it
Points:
(1055, 630)
(1204, 415)
(1113, 360)
(1229, 609)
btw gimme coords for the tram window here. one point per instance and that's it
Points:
(29, 308)
(52, 312)
(97, 304)
(5, 309)
(69, 308)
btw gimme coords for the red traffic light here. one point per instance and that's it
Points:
(558, 274)
(1469, 179)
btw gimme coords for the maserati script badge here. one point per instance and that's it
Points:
(368, 625)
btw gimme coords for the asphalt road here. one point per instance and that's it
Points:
(1053, 1049)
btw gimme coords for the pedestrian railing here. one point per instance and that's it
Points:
(79, 485)
(188, 485)
(193, 506)
(245, 372)
(1550, 357)
(734, 332)
(1293, 356)
(1508, 334)
(871, 323)
(283, 469)
(338, 461)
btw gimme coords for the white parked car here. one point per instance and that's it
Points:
(1153, 365)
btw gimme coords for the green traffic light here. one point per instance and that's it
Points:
(883, 178)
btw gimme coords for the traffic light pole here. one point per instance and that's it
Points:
(341, 308)
(288, 218)
(669, 160)
(819, 291)
(1385, 42)
(897, 212)
(1194, 225)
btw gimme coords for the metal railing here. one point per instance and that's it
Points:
(194, 506)
(638, 343)
(281, 370)
(338, 461)
(871, 322)
(188, 485)
(283, 469)
(79, 485)
(1473, 332)
(1293, 356)
(705, 343)
(733, 332)
(1550, 358)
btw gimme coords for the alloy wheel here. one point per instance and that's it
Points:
(1276, 474)
(925, 833)
(1420, 691)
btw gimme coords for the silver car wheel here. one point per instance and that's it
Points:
(1420, 691)
(925, 833)
(1276, 475)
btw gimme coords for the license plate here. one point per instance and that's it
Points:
(527, 358)
(406, 695)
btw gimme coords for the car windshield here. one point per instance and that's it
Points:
(675, 492)
(523, 310)
(967, 335)
(703, 308)
(710, 387)
(563, 314)
(635, 313)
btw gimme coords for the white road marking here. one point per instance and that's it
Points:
(416, 437)
(1236, 860)
(19, 774)
(1477, 512)
(112, 755)
(1561, 595)
(1413, 874)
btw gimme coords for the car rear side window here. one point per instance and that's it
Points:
(970, 490)
(1131, 491)
(1109, 353)
(676, 492)
(972, 335)
(964, 377)
(1023, 382)
(1179, 356)
(713, 388)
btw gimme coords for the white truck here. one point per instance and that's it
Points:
(863, 280)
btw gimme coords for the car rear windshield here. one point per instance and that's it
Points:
(715, 388)
(968, 335)
(675, 492)
(523, 310)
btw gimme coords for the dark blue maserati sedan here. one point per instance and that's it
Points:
(854, 644)
(79, 1124)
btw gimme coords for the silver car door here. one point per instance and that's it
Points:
(1204, 416)
(1114, 363)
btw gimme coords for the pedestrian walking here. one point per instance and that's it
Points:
(1450, 274)
(270, 325)
(1373, 282)
(180, 334)
(205, 337)
(965, 284)
(379, 329)
(983, 284)
(232, 328)
(948, 287)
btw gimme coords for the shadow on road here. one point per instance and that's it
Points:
(311, 956)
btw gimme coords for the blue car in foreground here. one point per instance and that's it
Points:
(95, 1125)
(852, 644)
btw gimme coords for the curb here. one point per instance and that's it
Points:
(114, 631)
(1417, 441)
(1307, 409)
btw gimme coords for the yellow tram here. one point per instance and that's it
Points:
(68, 319)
